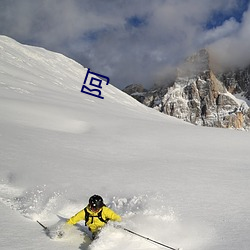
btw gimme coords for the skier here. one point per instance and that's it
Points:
(95, 214)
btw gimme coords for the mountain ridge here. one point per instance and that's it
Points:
(201, 95)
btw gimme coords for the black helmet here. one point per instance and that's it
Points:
(96, 202)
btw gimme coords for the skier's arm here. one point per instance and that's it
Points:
(77, 217)
(110, 214)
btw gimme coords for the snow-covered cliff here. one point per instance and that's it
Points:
(202, 97)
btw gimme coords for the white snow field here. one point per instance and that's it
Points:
(185, 186)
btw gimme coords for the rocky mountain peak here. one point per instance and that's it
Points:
(202, 97)
(196, 64)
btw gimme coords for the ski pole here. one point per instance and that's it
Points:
(146, 238)
(45, 228)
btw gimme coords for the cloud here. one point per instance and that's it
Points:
(228, 28)
(130, 41)
(233, 49)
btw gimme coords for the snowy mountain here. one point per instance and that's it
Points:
(201, 96)
(182, 185)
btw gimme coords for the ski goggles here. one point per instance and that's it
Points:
(94, 208)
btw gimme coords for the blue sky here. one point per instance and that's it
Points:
(131, 41)
(218, 17)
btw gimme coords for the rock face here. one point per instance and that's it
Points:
(237, 81)
(137, 91)
(201, 97)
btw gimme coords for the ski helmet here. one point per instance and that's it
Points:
(95, 202)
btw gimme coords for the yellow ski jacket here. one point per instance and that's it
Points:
(94, 223)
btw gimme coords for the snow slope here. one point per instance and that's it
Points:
(176, 183)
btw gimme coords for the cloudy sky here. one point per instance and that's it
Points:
(131, 41)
